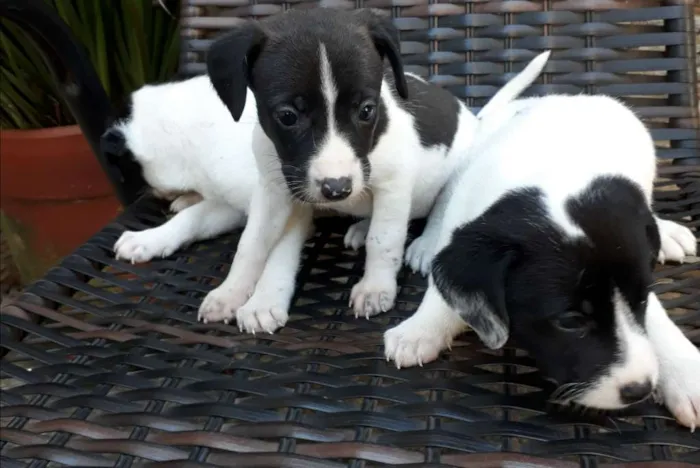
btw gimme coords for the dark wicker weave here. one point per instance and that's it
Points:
(105, 365)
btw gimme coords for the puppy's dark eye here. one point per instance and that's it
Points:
(573, 321)
(367, 112)
(287, 117)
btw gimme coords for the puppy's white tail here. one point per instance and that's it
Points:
(516, 85)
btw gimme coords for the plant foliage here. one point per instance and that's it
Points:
(129, 43)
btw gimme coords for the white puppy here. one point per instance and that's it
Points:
(548, 237)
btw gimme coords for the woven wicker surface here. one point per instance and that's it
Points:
(120, 372)
(105, 365)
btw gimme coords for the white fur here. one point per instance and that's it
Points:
(336, 157)
(546, 147)
(399, 189)
(638, 362)
(192, 152)
(200, 221)
(679, 365)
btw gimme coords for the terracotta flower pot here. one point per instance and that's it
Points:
(53, 195)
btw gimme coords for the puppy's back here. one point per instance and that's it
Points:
(558, 144)
(185, 139)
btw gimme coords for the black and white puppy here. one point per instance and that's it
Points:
(337, 130)
(548, 237)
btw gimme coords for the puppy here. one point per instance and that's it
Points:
(190, 151)
(548, 237)
(337, 131)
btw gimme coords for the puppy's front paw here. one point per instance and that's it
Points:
(679, 388)
(420, 254)
(414, 343)
(185, 201)
(373, 295)
(677, 241)
(142, 246)
(221, 304)
(260, 315)
(267, 309)
(356, 235)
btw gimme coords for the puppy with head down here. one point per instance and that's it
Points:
(548, 238)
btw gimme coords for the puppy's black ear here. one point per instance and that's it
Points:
(229, 63)
(386, 39)
(113, 142)
(470, 273)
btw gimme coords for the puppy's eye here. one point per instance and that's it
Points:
(573, 321)
(287, 117)
(367, 112)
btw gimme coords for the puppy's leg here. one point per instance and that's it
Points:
(268, 307)
(677, 241)
(270, 211)
(421, 338)
(356, 234)
(201, 221)
(679, 365)
(420, 253)
(185, 201)
(376, 291)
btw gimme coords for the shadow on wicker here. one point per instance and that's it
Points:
(104, 363)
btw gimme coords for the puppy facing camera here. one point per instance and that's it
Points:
(316, 76)
(548, 238)
(342, 128)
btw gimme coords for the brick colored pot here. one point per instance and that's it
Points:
(53, 195)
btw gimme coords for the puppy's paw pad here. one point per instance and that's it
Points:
(420, 254)
(356, 235)
(414, 343)
(142, 246)
(677, 241)
(371, 297)
(220, 305)
(185, 201)
(256, 316)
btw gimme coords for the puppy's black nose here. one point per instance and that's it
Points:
(336, 189)
(635, 392)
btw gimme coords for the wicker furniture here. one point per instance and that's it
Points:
(104, 363)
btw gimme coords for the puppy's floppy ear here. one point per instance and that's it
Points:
(470, 273)
(386, 39)
(229, 62)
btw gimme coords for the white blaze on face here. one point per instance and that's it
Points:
(636, 364)
(335, 157)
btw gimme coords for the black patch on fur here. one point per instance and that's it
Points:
(114, 147)
(534, 274)
(278, 58)
(614, 214)
(434, 109)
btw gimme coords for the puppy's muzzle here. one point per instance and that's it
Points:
(334, 189)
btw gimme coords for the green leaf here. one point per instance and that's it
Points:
(128, 42)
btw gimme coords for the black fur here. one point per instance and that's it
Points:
(553, 291)
(435, 110)
(278, 58)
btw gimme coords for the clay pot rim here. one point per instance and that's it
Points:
(41, 133)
